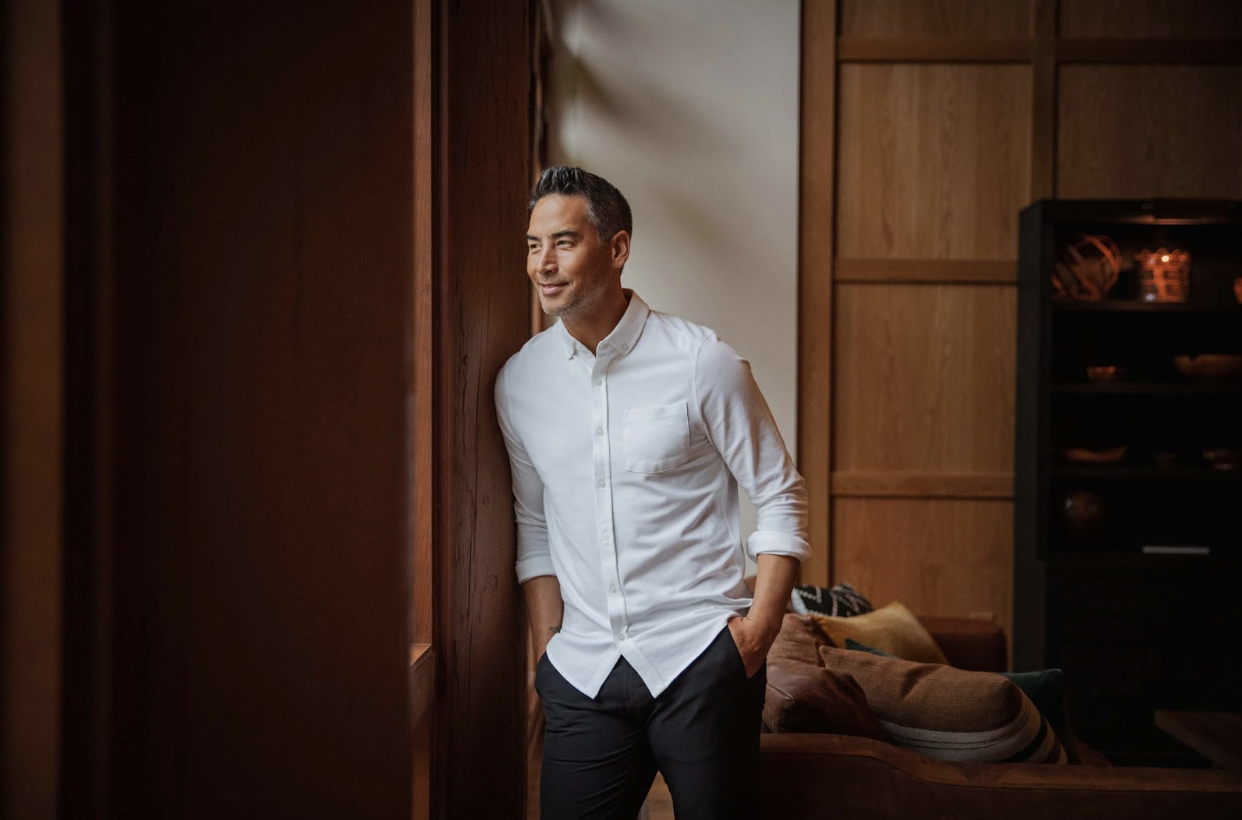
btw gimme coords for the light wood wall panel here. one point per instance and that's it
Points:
(1150, 18)
(938, 557)
(1141, 131)
(952, 115)
(926, 375)
(935, 18)
(933, 161)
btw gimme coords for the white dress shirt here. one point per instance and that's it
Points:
(626, 465)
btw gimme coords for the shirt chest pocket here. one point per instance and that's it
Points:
(656, 439)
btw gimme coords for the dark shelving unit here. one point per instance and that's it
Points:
(1127, 574)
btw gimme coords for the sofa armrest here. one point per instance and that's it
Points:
(812, 775)
(969, 643)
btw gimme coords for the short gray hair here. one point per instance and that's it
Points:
(606, 207)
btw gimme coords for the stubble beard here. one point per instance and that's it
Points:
(578, 300)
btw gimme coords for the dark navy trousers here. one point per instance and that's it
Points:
(600, 755)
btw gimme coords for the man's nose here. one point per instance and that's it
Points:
(547, 259)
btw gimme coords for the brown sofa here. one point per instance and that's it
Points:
(836, 776)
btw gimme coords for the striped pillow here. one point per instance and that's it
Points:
(947, 713)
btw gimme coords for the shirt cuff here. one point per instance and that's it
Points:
(533, 566)
(777, 543)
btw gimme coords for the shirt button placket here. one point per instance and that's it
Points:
(603, 472)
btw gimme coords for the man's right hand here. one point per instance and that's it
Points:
(545, 609)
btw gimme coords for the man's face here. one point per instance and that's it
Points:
(572, 268)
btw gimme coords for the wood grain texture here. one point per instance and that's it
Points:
(887, 484)
(816, 169)
(482, 319)
(1150, 18)
(933, 49)
(257, 487)
(1214, 50)
(934, 160)
(935, 18)
(1043, 99)
(938, 557)
(1143, 131)
(422, 683)
(422, 439)
(930, 375)
(927, 271)
(32, 409)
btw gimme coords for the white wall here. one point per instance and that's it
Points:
(691, 109)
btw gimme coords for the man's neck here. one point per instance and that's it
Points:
(593, 328)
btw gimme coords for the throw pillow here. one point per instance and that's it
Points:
(798, 642)
(1045, 688)
(893, 629)
(803, 698)
(948, 713)
(841, 601)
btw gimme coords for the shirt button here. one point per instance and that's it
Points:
(625, 347)
(599, 381)
(599, 431)
(602, 482)
(620, 636)
(612, 587)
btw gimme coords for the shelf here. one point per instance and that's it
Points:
(1143, 472)
(1133, 558)
(1086, 596)
(1147, 389)
(1135, 306)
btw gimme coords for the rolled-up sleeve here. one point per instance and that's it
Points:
(533, 555)
(741, 427)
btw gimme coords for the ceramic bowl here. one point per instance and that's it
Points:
(1107, 373)
(1224, 459)
(1210, 366)
(1082, 455)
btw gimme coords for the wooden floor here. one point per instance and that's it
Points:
(659, 802)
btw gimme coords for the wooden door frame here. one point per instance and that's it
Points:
(482, 161)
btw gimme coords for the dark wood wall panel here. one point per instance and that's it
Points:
(935, 18)
(257, 487)
(1150, 18)
(1127, 131)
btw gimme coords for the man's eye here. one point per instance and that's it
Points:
(564, 243)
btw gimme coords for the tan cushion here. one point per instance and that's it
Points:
(805, 698)
(892, 629)
(949, 713)
(798, 641)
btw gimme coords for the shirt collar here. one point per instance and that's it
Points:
(623, 337)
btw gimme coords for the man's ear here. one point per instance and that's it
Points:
(620, 247)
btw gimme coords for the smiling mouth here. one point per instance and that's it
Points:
(551, 287)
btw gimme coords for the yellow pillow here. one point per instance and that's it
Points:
(892, 629)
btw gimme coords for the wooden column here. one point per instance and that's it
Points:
(483, 318)
(816, 200)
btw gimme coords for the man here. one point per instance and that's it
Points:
(628, 433)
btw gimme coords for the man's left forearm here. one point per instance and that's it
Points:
(773, 586)
(755, 633)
